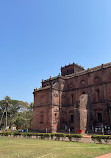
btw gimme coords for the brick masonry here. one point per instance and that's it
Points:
(76, 99)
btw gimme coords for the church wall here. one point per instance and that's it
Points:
(97, 84)
(59, 102)
(42, 113)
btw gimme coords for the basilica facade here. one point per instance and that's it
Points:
(75, 99)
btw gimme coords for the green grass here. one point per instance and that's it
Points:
(33, 148)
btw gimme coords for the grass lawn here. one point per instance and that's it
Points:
(33, 148)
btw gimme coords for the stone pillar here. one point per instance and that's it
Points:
(76, 120)
(80, 114)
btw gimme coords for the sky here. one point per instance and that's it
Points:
(37, 37)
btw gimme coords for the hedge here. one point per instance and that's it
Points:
(99, 138)
(72, 136)
(57, 136)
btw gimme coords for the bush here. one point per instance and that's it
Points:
(5, 133)
(99, 138)
(52, 135)
(30, 134)
(16, 133)
(35, 134)
(25, 134)
(47, 135)
(69, 137)
(59, 135)
(2, 133)
(76, 136)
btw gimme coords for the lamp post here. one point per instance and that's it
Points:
(69, 130)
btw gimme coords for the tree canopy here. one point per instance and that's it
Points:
(19, 113)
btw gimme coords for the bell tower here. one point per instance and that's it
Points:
(70, 69)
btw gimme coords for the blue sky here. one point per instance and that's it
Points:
(37, 37)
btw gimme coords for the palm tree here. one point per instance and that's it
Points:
(6, 103)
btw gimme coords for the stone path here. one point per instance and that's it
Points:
(86, 139)
(104, 156)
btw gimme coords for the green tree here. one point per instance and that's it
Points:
(16, 112)
(24, 118)
(5, 104)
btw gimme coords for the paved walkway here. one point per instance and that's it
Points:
(104, 156)
(86, 139)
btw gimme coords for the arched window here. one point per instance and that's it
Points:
(83, 92)
(96, 79)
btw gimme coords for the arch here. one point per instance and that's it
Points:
(83, 92)
(96, 79)
(71, 111)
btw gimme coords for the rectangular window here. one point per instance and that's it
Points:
(97, 95)
(99, 117)
(72, 98)
(72, 118)
(55, 117)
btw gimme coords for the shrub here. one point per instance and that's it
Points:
(16, 133)
(52, 135)
(76, 136)
(69, 137)
(59, 135)
(99, 138)
(30, 134)
(2, 133)
(45, 135)
(41, 135)
(25, 134)
(35, 134)
(5, 133)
